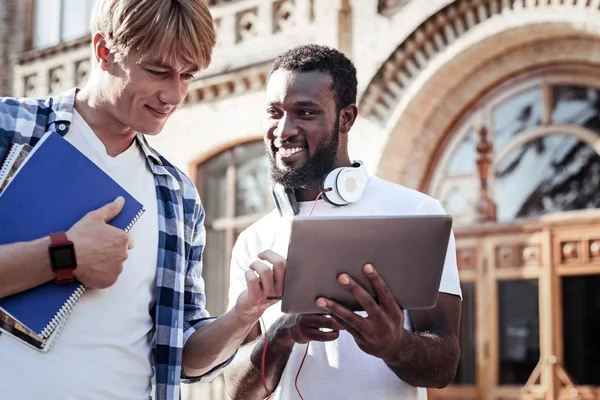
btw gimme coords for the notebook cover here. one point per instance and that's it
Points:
(55, 188)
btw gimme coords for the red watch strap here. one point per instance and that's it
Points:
(58, 238)
(64, 275)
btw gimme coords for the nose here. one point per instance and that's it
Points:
(173, 91)
(285, 128)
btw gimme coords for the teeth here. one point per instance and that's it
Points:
(289, 151)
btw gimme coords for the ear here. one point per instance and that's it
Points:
(101, 51)
(348, 116)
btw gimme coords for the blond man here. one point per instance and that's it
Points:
(142, 322)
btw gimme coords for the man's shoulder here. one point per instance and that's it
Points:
(26, 117)
(13, 109)
(188, 188)
(401, 198)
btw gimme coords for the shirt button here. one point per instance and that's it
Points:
(62, 127)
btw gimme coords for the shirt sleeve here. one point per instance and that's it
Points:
(195, 313)
(450, 282)
(240, 261)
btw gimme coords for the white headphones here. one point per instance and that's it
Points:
(345, 185)
(341, 186)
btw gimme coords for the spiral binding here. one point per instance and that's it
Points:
(9, 161)
(63, 312)
(59, 318)
(134, 220)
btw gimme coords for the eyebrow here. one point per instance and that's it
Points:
(300, 103)
(164, 65)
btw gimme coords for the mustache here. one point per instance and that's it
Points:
(281, 143)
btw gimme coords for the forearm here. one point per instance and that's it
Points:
(426, 360)
(24, 265)
(214, 343)
(244, 378)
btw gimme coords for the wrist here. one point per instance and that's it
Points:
(43, 265)
(279, 333)
(62, 257)
(245, 317)
(398, 349)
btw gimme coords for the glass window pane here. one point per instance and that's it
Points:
(46, 23)
(551, 174)
(213, 271)
(464, 159)
(465, 374)
(519, 330)
(516, 115)
(252, 179)
(576, 105)
(581, 328)
(75, 22)
(214, 185)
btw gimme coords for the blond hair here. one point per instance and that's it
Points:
(168, 30)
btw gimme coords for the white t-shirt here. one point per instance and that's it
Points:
(338, 369)
(104, 350)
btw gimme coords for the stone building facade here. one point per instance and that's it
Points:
(491, 106)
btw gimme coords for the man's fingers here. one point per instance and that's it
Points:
(252, 282)
(384, 296)
(278, 263)
(305, 335)
(265, 276)
(110, 210)
(346, 318)
(349, 328)
(130, 242)
(363, 297)
(319, 321)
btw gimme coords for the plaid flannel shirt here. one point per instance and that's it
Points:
(180, 299)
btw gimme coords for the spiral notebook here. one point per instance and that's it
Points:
(43, 190)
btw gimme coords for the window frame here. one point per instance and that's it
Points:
(32, 28)
(231, 224)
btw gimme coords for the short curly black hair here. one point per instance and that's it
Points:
(313, 57)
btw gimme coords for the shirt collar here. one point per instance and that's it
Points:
(62, 107)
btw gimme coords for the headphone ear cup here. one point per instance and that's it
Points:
(329, 188)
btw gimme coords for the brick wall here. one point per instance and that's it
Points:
(4, 38)
(14, 15)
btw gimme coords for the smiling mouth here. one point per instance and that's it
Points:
(158, 113)
(288, 152)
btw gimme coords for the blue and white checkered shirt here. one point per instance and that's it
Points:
(180, 299)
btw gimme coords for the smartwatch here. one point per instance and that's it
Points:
(62, 257)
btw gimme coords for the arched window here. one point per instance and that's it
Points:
(234, 189)
(541, 142)
(528, 148)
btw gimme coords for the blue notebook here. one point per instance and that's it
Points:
(54, 187)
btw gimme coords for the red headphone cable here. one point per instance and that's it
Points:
(266, 339)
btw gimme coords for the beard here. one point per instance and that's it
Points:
(314, 169)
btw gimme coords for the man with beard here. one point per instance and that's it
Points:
(382, 353)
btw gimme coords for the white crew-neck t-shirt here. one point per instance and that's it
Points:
(104, 349)
(338, 369)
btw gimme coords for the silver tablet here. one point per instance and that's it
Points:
(408, 252)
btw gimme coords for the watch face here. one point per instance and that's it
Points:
(62, 256)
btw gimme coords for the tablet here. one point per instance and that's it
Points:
(408, 252)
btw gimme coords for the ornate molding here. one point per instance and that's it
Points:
(228, 84)
(62, 48)
(390, 6)
(435, 35)
(486, 209)
(213, 3)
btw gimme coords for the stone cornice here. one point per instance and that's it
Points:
(434, 36)
(62, 48)
(209, 88)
